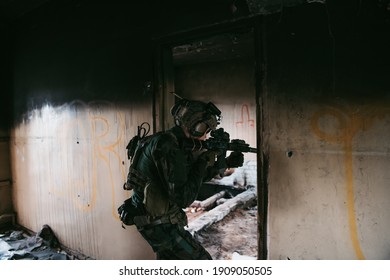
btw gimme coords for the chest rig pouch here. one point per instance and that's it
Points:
(135, 180)
(156, 207)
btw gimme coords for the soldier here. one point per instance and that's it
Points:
(165, 179)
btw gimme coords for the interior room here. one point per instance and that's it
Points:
(304, 83)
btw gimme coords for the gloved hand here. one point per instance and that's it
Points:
(209, 156)
(127, 212)
(235, 159)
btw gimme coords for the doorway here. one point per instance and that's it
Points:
(219, 67)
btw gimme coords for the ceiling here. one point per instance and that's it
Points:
(219, 47)
(11, 10)
(224, 46)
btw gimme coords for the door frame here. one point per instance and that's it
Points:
(164, 99)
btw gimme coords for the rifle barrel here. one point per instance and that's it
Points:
(252, 150)
(199, 145)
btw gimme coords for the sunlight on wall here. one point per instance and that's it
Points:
(69, 166)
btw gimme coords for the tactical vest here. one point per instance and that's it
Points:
(135, 179)
(154, 195)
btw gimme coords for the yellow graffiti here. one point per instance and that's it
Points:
(350, 120)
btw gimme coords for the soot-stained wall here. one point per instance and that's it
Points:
(327, 115)
(79, 72)
(5, 77)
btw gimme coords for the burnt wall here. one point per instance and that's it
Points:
(95, 50)
(333, 50)
(69, 56)
(80, 50)
(326, 124)
(81, 72)
(5, 76)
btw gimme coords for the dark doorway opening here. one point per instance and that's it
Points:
(219, 67)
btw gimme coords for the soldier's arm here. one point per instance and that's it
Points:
(182, 179)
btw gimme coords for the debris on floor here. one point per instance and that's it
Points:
(224, 220)
(238, 256)
(17, 244)
(204, 219)
(226, 225)
(234, 237)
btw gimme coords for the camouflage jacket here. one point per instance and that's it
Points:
(172, 176)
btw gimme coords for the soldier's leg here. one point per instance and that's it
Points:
(185, 247)
(173, 242)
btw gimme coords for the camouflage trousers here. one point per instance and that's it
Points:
(173, 242)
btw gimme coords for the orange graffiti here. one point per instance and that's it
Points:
(103, 152)
(106, 146)
(349, 121)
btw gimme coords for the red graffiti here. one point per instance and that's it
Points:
(245, 118)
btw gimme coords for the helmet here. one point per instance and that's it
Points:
(199, 117)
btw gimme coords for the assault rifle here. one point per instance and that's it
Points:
(220, 142)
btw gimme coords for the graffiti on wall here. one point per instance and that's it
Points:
(82, 147)
(245, 127)
(347, 122)
(90, 159)
(107, 150)
(246, 120)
